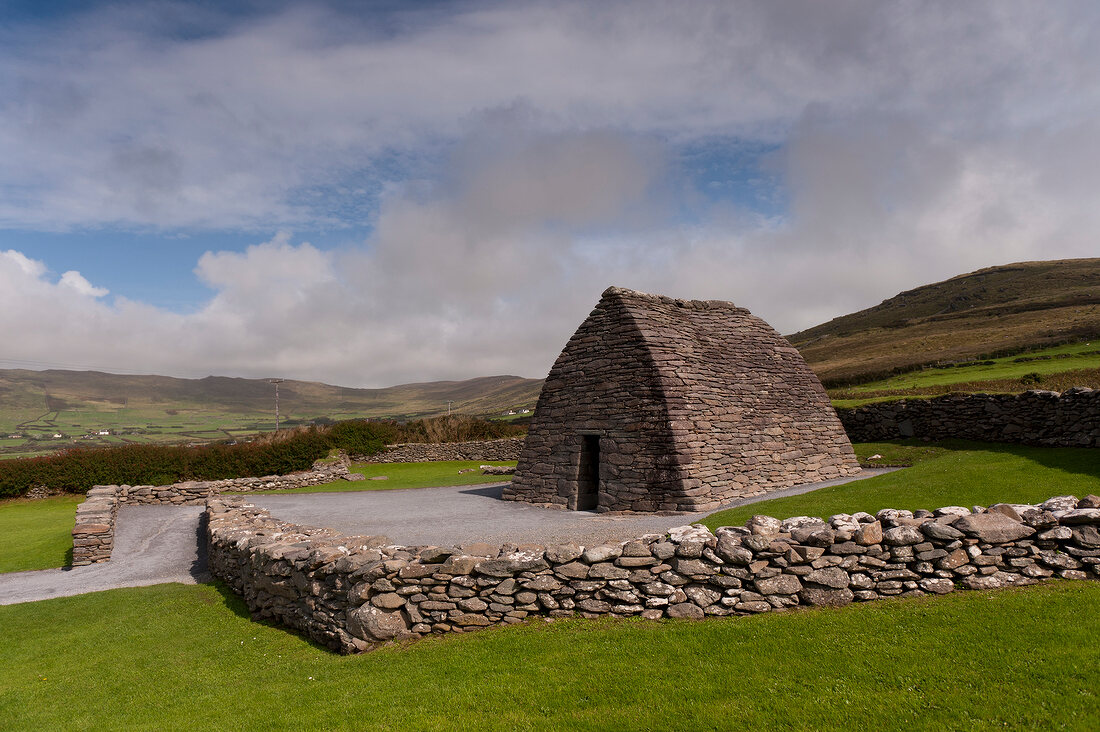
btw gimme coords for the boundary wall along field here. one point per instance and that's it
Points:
(352, 593)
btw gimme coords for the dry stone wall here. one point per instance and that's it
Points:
(508, 448)
(352, 593)
(94, 530)
(692, 403)
(1068, 419)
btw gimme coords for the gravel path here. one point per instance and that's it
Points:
(155, 544)
(469, 514)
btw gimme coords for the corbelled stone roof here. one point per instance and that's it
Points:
(695, 402)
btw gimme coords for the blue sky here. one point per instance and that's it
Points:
(379, 193)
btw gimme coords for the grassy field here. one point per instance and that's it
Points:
(187, 657)
(36, 534)
(1056, 369)
(942, 474)
(410, 475)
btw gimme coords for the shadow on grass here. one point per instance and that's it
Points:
(236, 605)
(233, 602)
(1080, 460)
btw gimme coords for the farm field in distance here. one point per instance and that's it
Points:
(37, 405)
(1055, 369)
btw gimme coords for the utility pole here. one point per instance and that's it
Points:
(276, 382)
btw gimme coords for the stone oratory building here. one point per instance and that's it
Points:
(659, 404)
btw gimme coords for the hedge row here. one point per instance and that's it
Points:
(78, 469)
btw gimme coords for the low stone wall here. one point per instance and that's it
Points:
(94, 532)
(508, 448)
(1069, 419)
(194, 493)
(353, 593)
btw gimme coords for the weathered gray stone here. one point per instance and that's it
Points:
(694, 567)
(782, 584)
(371, 623)
(542, 583)
(830, 577)
(827, 598)
(941, 532)
(1086, 536)
(702, 596)
(685, 610)
(764, 525)
(573, 570)
(1059, 503)
(1081, 516)
(937, 586)
(607, 570)
(902, 536)
(868, 533)
(994, 528)
(730, 549)
(387, 601)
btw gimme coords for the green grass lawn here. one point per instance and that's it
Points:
(187, 657)
(942, 474)
(410, 475)
(36, 534)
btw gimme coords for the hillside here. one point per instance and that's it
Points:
(36, 405)
(992, 311)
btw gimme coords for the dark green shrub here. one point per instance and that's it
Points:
(77, 470)
(363, 437)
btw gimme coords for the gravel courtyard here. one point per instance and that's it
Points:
(155, 544)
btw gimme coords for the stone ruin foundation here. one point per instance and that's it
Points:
(658, 404)
(354, 593)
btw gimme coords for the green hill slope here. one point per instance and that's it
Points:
(997, 310)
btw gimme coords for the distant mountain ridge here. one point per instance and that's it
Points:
(58, 390)
(996, 310)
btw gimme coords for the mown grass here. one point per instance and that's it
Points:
(187, 657)
(942, 474)
(37, 534)
(410, 475)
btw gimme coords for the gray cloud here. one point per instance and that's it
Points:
(912, 142)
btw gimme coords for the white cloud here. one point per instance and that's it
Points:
(913, 143)
(76, 281)
(107, 121)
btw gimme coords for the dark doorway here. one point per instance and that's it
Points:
(588, 479)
